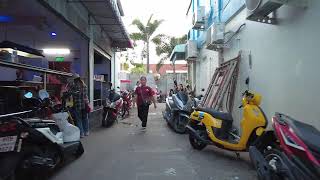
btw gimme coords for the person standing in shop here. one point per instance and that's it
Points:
(145, 95)
(81, 104)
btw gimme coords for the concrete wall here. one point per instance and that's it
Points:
(206, 64)
(285, 62)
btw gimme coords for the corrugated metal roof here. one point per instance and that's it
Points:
(178, 52)
(107, 14)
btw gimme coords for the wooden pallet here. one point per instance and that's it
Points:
(222, 81)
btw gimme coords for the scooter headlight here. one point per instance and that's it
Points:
(113, 105)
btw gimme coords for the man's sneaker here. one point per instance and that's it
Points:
(143, 128)
(86, 134)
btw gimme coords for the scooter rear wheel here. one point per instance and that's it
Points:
(195, 143)
(280, 171)
(79, 151)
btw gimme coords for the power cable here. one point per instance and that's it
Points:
(237, 31)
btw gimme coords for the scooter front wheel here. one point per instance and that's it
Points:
(195, 143)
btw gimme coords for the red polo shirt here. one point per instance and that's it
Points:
(144, 92)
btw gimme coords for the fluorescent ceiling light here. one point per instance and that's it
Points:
(20, 53)
(56, 51)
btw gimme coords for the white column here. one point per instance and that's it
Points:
(113, 69)
(91, 65)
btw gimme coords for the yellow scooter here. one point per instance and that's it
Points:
(210, 127)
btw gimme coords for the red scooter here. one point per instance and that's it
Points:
(112, 109)
(291, 151)
(127, 103)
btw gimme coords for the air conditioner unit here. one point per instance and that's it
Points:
(218, 33)
(215, 36)
(259, 10)
(191, 50)
(199, 18)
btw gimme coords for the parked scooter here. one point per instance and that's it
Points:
(112, 109)
(291, 151)
(33, 147)
(127, 103)
(178, 110)
(160, 97)
(210, 127)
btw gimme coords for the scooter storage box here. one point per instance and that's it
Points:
(70, 132)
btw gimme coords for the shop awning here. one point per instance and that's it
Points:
(21, 50)
(107, 14)
(178, 52)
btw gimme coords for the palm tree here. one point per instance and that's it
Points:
(145, 33)
(165, 45)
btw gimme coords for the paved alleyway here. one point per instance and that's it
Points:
(122, 152)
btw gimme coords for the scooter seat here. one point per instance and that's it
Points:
(216, 114)
(309, 134)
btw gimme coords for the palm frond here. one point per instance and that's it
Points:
(149, 20)
(137, 36)
(158, 39)
(153, 26)
(139, 25)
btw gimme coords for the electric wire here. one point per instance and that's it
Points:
(222, 10)
(237, 31)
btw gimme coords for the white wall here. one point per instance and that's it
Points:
(115, 69)
(205, 67)
(285, 62)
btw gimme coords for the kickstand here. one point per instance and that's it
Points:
(238, 155)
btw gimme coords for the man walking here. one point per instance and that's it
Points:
(145, 95)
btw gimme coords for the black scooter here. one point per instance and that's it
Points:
(34, 147)
(178, 110)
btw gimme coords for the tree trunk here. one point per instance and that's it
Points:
(148, 62)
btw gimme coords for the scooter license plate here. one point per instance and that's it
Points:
(8, 143)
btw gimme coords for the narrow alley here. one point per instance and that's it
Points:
(124, 152)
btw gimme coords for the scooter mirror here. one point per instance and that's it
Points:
(43, 94)
(28, 95)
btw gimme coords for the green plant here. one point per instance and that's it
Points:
(138, 68)
(165, 45)
(125, 66)
(145, 33)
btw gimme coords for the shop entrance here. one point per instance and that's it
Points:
(102, 77)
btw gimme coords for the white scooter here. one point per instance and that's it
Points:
(34, 147)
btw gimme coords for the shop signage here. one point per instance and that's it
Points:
(59, 59)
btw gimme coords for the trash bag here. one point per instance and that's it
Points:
(70, 132)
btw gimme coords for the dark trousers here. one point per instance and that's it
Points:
(143, 114)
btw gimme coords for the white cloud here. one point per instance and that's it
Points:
(173, 12)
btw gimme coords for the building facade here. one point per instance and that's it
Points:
(91, 31)
(279, 56)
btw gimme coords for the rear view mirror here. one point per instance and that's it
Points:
(43, 94)
(28, 95)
